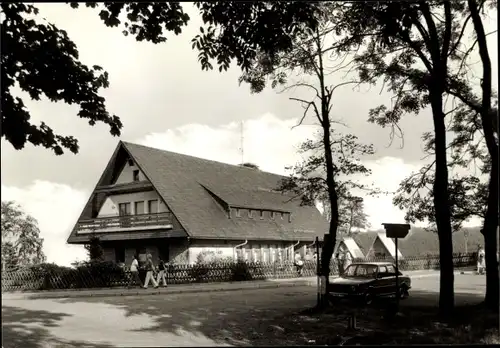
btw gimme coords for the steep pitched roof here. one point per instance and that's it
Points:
(185, 183)
(352, 247)
(388, 244)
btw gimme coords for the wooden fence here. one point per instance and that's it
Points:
(101, 275)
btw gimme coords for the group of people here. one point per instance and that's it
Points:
(150, 270)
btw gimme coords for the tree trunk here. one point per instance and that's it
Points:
(488, 123)
(490, 238)
(329, 245)
(442, 207)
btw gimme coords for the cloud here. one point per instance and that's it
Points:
(56, 207)
(271, 143)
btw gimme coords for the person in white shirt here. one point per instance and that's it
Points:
(134, 273)
(481, 264)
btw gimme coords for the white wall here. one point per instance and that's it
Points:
(110, 206)
(221, 252)
(126, 175)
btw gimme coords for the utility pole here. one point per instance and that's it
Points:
(241, 144)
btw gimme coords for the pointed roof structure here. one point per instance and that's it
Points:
(389, 245)
(199, 193)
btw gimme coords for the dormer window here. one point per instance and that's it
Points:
(135, 175)
(261, 212)
(250, 213)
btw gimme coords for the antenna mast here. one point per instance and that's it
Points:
(241, 143)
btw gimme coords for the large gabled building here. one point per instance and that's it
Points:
(176, 206)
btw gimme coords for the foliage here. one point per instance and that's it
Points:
(94, 249)
(20, 237)
(9, 256)
(307, 180)
(231, 31)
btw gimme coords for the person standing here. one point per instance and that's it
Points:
(340, 261)
(481, 265)
(347, 260)
(161, 273)
(134, 273)
(298, 263)
(149, 272)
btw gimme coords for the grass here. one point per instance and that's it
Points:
(379, 326)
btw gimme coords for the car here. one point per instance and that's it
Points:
(364, 281)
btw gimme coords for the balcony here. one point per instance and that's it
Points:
(126, 223)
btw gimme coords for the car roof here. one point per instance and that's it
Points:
(374, 263)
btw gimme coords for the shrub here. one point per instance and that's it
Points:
(99, 274)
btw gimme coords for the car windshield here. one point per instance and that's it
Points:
(364, 271)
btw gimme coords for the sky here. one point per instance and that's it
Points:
(165, 100)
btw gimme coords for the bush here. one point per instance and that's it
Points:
(99, 274)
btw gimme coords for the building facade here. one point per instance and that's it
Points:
(185, 209)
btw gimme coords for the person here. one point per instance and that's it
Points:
(134, 273)
(480, 260)
(149, 272)
(161, 273)
(340, 261)
(347, 259)
(298, 263)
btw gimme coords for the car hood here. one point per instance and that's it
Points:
(350, 280)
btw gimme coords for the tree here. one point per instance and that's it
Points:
(9, 257)
(488, 120)
(94, 249)
(324, 175)
(353, 209)
(351, 213)
(469, 194)
(20, 237)
(232, 31)
(414, 47)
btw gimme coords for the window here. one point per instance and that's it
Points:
(139, 208)
(281, 216)
(273, 215)
(262, 214)
(391, 270)
(153, 206)
(250, 213)
(124, 209)
(135, 174)
(238, 212)
(130, 163)
(120, 255)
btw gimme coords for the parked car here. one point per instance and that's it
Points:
(363, 281)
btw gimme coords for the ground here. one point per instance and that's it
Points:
(247, 317)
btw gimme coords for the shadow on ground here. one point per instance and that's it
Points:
(245, 318)
(31, 329)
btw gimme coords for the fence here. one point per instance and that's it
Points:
(107, 274)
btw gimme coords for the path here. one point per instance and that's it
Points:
(246, 317)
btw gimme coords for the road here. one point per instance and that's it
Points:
(248, 317)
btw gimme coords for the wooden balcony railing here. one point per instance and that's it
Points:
(117, 223)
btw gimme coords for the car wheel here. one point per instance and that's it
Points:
(368, 298)
(403, 292)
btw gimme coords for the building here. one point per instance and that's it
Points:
(383, 247)
(181, 208)
(348, 244)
